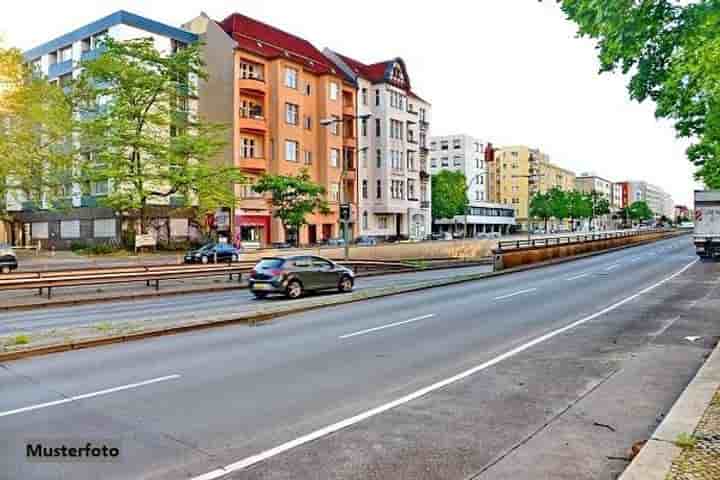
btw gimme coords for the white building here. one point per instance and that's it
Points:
(393, 178)
(660, 202)
(465, 154)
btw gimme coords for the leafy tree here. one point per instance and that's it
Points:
(578, 207)
(540, 207)
(36, 125)
(640, 211)
(599, 205)
(139, 133)
(671, 49)
(558, 200)
(449, 194)
(293, 199)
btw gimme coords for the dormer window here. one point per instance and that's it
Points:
(397, 74)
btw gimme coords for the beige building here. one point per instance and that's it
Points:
(510, 182)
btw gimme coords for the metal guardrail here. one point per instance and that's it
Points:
(505, 245)
(48, 280)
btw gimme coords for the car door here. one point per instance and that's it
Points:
(302, 268)
(327, 275)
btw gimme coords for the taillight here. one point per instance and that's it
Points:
(276, 272)
(253, 272)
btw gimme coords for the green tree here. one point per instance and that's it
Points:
(293, 198)
(599, 205)
(558, 200)
(578, 207)
(449, 194)
(640, 211)
(671, 49)
(540, 207)
(36, 125)
(138, 130)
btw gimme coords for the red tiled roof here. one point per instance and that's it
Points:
(270, 42)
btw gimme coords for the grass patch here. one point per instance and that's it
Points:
(685, 441)
(19, 340)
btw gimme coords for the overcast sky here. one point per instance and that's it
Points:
(506, 71)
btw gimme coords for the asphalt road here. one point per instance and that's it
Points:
(184, 405)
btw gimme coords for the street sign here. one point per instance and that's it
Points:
(345, 212)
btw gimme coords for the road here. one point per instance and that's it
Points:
(446, 383)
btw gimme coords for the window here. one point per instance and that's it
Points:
(378, 189)
(365, 220)
(445, 162)
(477, 194)
(457, 161)
(411, 160)
(104, 228)
(364, 96)
(364, 157)
(433, 162)
(335, 125)
(308, 89)
(457, 143)
(99, 188)
(334, 192)
(308, 122)
(396, 129)
(365, 189)
(382, 222)
(363, 127)
(411, 189)
(291, 78)
(334, 157)
(248, 148)
(444, 145)
(378, 158)
(66, 54)
(291, 113)
(292, 149)
(377, 127)
(308, 157)
(70, 229)
(333, 91)
(377, 97)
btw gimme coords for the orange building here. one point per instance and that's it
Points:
(283, 87)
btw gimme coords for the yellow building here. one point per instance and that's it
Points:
(518, 172)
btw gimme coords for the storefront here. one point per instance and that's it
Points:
(252, 231)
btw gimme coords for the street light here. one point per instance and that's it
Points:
(326, 122)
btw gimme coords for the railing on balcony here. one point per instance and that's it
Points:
(255, 113)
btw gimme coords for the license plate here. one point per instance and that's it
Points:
(261, 286)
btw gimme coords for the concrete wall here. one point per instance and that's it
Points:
(525, 256)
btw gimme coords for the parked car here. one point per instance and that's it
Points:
(223, 252)
(281, 245)
(335, 242)
(8, 258)
(293, 276)
(365, 241)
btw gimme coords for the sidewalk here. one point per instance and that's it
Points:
(686, 445)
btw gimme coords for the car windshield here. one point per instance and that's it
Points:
(207, 247)
(270, 263)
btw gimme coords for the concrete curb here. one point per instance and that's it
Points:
(305, 306)
(656, 457)
(213, 289)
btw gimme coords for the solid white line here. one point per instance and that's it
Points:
(516, 293)
(389, 325)
(577, 276)
(87, 395)
(612, 267)
(249, 461)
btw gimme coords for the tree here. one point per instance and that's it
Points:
(578, 207)
(640, 211)
(599, 205)
(139, 133)
(540, 207)
(671, 49)
(36, 122)
(558, 200)
(449, 194)
(293, 199)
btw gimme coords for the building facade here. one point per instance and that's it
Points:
(291, 111)
(393, 177)
(659, 201)
(519, 172)
(59, 61)
(588, 183)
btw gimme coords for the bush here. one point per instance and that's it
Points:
(101, 249)
(78, 246)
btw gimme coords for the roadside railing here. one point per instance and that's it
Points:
(540, 242)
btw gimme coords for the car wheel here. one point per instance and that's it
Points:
(5, 270)
(294, 289)
(205, 260)
(346, 284)
(235, 257)
(260, 295)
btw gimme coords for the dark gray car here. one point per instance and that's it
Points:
(8, 259)
(292, 276)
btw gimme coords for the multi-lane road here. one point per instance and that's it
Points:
(452, 382)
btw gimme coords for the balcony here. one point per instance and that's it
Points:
(424, 175)
(348, 109)
(425, 205)
(253, 85)
(60, 69)
(349, 141)
(252, 120)
(253, 164)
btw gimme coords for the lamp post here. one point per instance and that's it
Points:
(344, 207)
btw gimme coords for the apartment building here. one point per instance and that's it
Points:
(467, 154)
(59, 60)
(291, 110)
(393, 175)
(519, 172)
(590, 182)
(659, 201)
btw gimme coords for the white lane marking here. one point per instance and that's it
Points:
(249, 461)
(389, 325)
(515, 294)
(87, 395)
(613, 267)
(577, 276)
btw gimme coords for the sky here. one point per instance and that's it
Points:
(511, 72)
